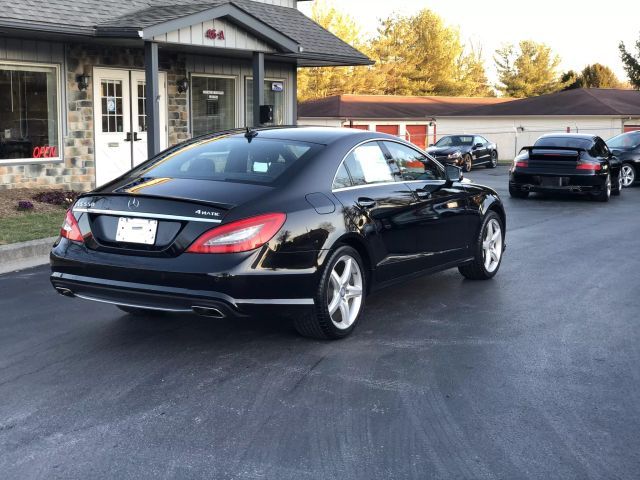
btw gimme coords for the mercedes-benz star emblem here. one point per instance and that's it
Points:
(133, 203)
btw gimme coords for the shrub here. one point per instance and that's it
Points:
(25, 205)
(56, 197)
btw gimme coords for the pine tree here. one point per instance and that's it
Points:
(631, 64)
(529, 70)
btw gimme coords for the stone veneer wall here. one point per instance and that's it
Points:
(77, 171)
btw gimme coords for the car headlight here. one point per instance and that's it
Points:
(454, 155)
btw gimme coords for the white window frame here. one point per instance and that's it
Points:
(60, 157)
(267, 79)
(213, 75)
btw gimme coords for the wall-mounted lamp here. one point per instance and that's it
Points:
(183, 85)
(83, 81)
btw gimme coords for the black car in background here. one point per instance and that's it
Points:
(626, 147)
(305, 221)
(465, 151)
(567, 162)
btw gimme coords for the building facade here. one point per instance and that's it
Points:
(511, 124)
(87, 93)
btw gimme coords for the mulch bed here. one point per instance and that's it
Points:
(9, 201)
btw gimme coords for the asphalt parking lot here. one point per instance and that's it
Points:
(533, 374)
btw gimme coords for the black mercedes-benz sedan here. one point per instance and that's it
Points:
(566, 162)
(626, 147)
(302, 221)
(465, 151)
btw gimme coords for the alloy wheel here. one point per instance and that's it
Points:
(468, 163)
(628, 175)
(345, 292)
(494, 159)
(620, 181)
(492, 245)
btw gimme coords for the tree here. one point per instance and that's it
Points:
(599, 76)
(592, 76)
(317, 82)
(526, 71)
(571, 80)
(631, 64)
(421, 55)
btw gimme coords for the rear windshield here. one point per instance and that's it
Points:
(567, 142)
(233, 159)
(625, 140)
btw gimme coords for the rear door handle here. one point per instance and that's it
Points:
(366, 202)
(423, 193)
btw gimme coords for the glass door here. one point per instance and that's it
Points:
(112, 117)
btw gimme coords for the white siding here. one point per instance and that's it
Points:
(234, 37)
(282, 3)
(241, 70)
(513, 133)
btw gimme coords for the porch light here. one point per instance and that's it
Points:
(183, 85)
(83, 81)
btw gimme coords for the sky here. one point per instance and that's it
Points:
(580, 32)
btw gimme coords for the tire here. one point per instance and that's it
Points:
(467, 163)
(140, 312)
(617, 188)
(490, 242)
(493, 163)
(334, 292)
(628, 175)
(515, 193)
(605, 193)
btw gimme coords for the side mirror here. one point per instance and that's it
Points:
(452, 173)
(478, 145)
(431, 144)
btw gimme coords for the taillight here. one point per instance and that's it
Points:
(239, 236)
(70, 229)
(522, 163)
(588, 166)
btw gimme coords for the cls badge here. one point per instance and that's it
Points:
(133, 203)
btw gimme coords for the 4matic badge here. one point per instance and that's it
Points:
(207, 213)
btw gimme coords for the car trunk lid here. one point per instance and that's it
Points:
(157, 216)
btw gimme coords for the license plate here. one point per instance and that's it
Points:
(551, 181)
(137, 230)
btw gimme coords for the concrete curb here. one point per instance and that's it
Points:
(17, 256)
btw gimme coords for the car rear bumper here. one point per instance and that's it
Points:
(557, 183)
(234, 286)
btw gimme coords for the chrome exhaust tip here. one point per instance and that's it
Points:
(208, 312)
(65, 291)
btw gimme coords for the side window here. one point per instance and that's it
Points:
(367, 164)
(477, 140)
(342, 178)
(412, 164)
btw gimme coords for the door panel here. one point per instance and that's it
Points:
(112, 116)
(382, 215)
(417, 134)
(438, 211)
(390, 129)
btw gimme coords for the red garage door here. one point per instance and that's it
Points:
(631, 128)
(390, 129)
(417, 134)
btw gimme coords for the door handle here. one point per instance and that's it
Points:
(135, 137)
(128, 137)
(423, 193)
(365, 202)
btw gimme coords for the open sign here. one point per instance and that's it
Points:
(45, 151)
